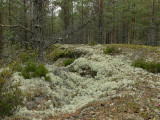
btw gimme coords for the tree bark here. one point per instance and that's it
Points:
(100, 22)
(153, 42)
(1, 46)
(66, 14)
(38, 20)
(132, 25)
(25, 24)
(9, 10)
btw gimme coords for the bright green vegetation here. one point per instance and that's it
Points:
(111, 50)
(153, 67)
(69, 61)
(10, 95)
(32, 69)
(92, 43)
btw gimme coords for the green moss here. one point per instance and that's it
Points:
(59, 53)
(69, 61)
(149, 66)
(111, 50)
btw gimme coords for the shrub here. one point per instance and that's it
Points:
(6, 74)
(15, 66)
(30, 66)
(92, 43)
(40, 71)
(23, 56)
(149, 66)
(47, 78)
(33, 70)
(10, 95)
(69, 61)
(33, 56)
(112, 50)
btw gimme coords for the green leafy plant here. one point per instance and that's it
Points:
(149, 66)
(69, 61)
(112, 50)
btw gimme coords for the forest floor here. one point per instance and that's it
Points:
(95, 86)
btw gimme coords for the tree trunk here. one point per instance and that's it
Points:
(9, 10)
(38, 20)
(1, 46)
(132, 25)
(153, 42)
(100, 22)
(66, 15)
(113, 34)
(25, 25)
(82, 19)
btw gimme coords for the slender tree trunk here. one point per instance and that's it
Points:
(25, 24)
(132, 25)
(153, 42)
(123, 31)
(117, 34)
(1, 46)
(82, 19)
(66, 14)
(9, 10)
(52, 23)
(113, 34)
(100, 21)
(38, 20)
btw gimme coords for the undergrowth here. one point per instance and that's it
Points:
(92, 43)
(10, 95)
(153, 67)
(111, 50)
(32, 69)
(69, 61)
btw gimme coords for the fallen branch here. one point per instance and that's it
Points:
(14, 26)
